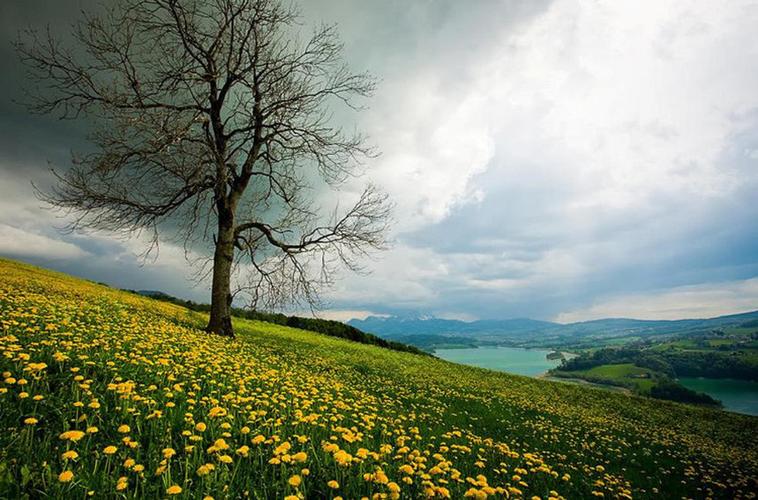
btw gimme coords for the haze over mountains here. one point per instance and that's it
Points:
(427, 332)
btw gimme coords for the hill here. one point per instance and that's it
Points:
(535, 333)
(117, 395)
(325, 326)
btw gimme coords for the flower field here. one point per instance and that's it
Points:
(105, 394)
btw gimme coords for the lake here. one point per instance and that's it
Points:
(530, 362)
(740, 396)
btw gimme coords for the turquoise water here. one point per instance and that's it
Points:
(740, 396)
(530, 362)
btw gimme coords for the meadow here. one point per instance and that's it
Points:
(622, 375)
(105, 394)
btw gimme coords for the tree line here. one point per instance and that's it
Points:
(324, 326)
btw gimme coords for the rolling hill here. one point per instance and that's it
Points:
(108, 394)
(535, 333)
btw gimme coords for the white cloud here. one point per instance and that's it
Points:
(594, 131)
(15, 242)
(694, 301)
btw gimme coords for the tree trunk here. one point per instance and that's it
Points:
(220, 321)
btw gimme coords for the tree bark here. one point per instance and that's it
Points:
(220, 321)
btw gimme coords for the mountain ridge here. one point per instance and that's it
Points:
(536, 332)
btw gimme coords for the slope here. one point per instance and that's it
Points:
(121, 396)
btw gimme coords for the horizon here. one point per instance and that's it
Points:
(517, 318)
(543, 162)
(423, 317)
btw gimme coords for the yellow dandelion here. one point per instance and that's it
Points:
(174, 490)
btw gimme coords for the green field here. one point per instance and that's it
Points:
(110, 395)
(623, 375)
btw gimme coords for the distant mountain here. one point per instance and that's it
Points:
(529, 332)
(394, 326)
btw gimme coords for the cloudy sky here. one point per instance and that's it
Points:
(560, 160)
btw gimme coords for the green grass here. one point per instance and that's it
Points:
(623, 375)
(373, 420)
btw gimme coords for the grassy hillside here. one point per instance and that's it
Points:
(325, 326)
(113, 395)
(623, 375)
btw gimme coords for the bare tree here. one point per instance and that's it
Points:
(213, 124)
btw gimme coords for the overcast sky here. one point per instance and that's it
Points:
(561, 160)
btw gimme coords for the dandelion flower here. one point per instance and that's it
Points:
(174, 490)
(65, 476)
(72, 435)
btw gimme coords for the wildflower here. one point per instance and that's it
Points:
(110, 450)
(70, 455)
(72, 435)
(174, 490)
(295, 481)
(406, 469)
(225, 459)
(258, 439)
(30, 421)
(168, 453)
(216, 411)
(123, 429)
(122, 483)
(282, 448)
(65, 476)
(243, 451)
(206, 469)
(200, 427)
(333, 484)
